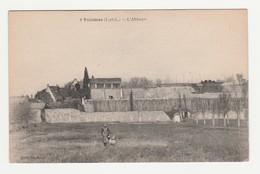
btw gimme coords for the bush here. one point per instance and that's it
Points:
(55, 105)
(20, 113)
(69, 103)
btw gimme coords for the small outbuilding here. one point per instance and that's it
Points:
(177, 117)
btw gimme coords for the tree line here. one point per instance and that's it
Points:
(220, 106)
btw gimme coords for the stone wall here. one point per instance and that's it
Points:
(163, 92)
(138, 105)
(36, 116)
(158, 92)
(142, 93)
(75, 116)
(105, 93)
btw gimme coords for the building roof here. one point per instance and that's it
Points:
(59, 93)
(174, 84)
(56, 92)
(105, 80)
(73, 82)
(210, 82)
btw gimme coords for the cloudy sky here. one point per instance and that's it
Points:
(182, 45)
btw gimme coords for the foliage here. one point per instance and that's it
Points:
(158, 81)
(224, 100)
(179, 102)
(86, 89)
(237, 108)
(239, 78)
(21, 113)
(68, 85)
(245, 94)
(184, 101)
(54, 105)
(230, 79)
(68, 103)
(236, 105)
(138, 82)
(131, 102)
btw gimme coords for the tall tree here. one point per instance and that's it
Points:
(197, 106)
(214, 107)
(245, 94)
(225, 105)
(179, 103)
(237, 108)
(245, 99)
(158, 82)
(131, 102)
(139, 82)
(218, 107)
(184, 102)
(203, 109)
(86, 82)
(239, 78)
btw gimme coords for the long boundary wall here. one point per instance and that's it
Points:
(75, 116)
(192, 104)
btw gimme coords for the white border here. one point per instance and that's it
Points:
(253, 166)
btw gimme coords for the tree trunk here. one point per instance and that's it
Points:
(225, 124)
(246, 116)
(197, 121)
(217, 120)
(213, 120)
(238, 120)
(227, 120)
(204, 119)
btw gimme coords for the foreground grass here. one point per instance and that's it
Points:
(151, 142)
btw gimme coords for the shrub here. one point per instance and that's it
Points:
(20, 112)
(69, 103)
(55, 105)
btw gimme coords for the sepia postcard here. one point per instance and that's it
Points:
(128, 86)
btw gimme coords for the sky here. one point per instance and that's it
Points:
(54, 47)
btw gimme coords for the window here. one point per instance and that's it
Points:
(108, 85)
(100, 86)
(92, 85)
(116, 85)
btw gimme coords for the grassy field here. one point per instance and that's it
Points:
(146, 142)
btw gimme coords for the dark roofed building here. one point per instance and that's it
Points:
(208, 86)
(55, 92)
(52, 94)
(79, 89)
(44, 96)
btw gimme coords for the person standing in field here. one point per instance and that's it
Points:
(105, 133)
